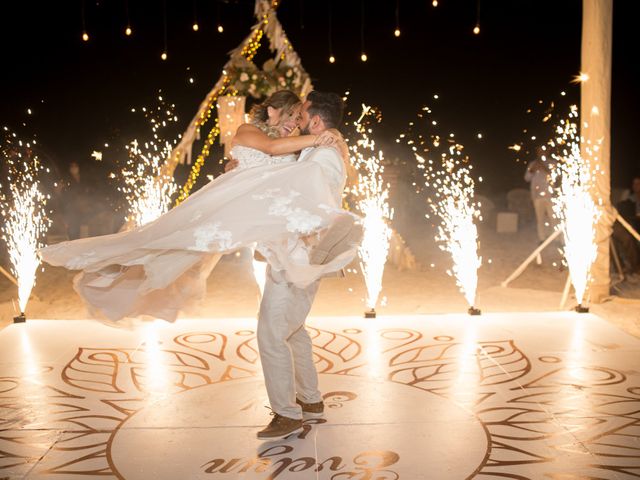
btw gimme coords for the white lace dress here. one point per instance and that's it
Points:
(157, 269)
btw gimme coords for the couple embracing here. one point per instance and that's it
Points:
(281, 195)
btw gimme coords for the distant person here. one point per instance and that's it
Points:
(75, 201)
(538, 176)
(628, 246)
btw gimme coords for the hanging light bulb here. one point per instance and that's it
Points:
(128, 31)
(85, 36)
(332, 59)
(195, 26)
(434, 3)
(163, 56)
(363, 57)
(220, 29)
(476, 29)
(397, 32)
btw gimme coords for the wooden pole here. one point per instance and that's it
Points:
(530, 258)
(595, 129)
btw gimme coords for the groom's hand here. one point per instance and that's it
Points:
(230, 165)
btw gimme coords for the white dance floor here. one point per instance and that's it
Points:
(521, 396)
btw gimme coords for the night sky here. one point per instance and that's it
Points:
(81, 93)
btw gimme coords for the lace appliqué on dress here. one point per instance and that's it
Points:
(207, 234)
(299, 220)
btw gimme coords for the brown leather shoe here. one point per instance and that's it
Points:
(311, 409)
(280, 427)
(344, 233)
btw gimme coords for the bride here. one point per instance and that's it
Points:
(269, 199)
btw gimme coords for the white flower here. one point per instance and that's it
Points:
(244, 77)
(289, 73)
(254, 77)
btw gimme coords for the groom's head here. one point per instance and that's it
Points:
(321, 111)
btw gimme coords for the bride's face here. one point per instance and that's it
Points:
(288, 121)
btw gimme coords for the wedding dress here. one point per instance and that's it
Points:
(157, 269)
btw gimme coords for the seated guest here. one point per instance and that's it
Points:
(628, 246)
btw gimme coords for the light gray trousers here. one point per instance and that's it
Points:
(285, 346)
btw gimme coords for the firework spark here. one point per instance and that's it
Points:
(23, 211)
(372, 201)
(573, 204)
(447, 174)
(147, 188)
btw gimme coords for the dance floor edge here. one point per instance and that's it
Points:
(511, 395)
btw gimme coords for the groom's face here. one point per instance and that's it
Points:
(310, 124)
(305, 118)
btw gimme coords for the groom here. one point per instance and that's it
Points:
(285, 347)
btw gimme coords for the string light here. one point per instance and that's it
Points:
(85, 35)
(476, 29)
(434, 3)
(332, 59)
(363, 56)
(195, 26)
(218, 18)
(164, 18)
(397, 30)
(127, 31)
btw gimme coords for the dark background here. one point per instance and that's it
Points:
(81, 93)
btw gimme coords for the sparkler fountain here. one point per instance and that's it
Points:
(574, 205)
(447, 172)
(457, 232)
(372, 201)
(24, 215)
(147, 188)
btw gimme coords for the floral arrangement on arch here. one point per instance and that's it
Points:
(249, 80)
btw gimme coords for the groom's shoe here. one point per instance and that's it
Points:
(280, 427)
(344, 233)
(311, 409)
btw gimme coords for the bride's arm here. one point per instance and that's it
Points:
(251, 136)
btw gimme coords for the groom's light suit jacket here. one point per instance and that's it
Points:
(333, 167)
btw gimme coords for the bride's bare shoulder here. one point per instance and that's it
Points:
(248, 128)
(247, 134)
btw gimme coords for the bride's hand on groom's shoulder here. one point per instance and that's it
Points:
(328, 138)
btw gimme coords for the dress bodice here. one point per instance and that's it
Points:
(250, 157)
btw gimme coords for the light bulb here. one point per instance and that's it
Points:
(128, 31)
(363, 57)
(195, 27)
(434, 3)
(397, 32)
(476, 29)
(220, 28)
(332, 59)
(163, 56)
(85, 36)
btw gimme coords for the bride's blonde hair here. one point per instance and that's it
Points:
(282, 99)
